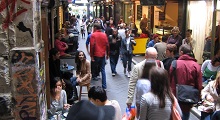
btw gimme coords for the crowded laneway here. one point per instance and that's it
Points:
(117, 85)
(52, 52)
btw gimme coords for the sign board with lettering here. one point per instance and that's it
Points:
(152, 2)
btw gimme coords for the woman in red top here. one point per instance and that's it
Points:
(61, 46)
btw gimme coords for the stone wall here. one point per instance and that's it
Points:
(22, 79)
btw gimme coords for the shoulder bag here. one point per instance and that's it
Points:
(185, 93)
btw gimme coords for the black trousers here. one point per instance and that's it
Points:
(95, 69)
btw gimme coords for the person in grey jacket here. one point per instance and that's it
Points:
(126, 51)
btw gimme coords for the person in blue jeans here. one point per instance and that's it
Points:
(126, 52)
(114, 43)
(99, 50)
(94, 68)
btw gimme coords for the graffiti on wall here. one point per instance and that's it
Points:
(42, 92)
(42, 104)
(26, 107)
(9, 5)
(23, 28)
(25, 85)
(4, 76)
(23, 58)
(25, 77)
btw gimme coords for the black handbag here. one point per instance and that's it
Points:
(185, 93)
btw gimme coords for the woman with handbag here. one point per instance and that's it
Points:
(211, 97)
(159, 103)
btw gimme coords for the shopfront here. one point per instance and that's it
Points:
(202, 22)
(161, 17)
(186, 14)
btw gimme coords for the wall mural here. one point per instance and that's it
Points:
(25, 85)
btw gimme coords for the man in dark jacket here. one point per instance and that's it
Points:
(108, 30)
(115, 43)
(188, 72)
(54, 63)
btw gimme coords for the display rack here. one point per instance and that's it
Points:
(163, 30)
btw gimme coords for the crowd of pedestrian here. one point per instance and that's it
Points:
(154, 82)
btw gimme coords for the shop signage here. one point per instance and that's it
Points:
(152, 2)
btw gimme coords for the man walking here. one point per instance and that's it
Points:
(115, 44)
(151, 54)
(188, 72)
(99, 49)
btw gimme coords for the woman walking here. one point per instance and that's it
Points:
(126, 52)
(157, 104)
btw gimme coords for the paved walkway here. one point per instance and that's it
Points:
(117, 87)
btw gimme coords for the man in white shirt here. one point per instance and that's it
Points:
(151, 54)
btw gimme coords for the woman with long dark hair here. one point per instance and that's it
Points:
(58, 103)
(83, 70)
(157, 104)
(143, 85)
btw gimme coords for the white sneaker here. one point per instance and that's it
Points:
(128, 75)
(113, 74)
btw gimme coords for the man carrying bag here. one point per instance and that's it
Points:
(186, 80)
